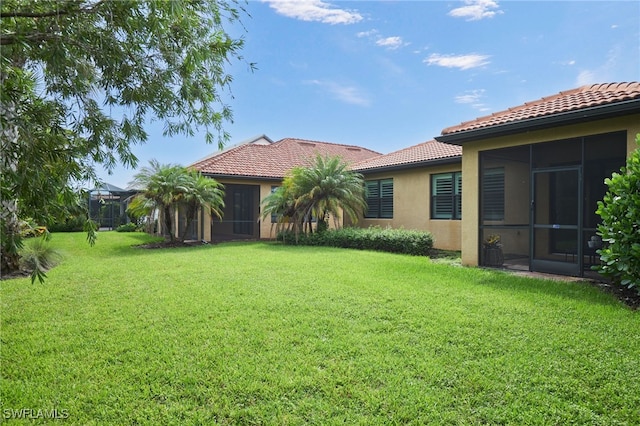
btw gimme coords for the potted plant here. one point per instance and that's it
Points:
(492, 251)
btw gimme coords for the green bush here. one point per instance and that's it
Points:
(390, 240)
(127, 227)
(70, 224)
(37, 257)
(620, 227)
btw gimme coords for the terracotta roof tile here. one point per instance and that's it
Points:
(571, 100)
(274, 160)
(421, 153)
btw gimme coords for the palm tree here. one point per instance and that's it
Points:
(203, 193)
(163, 187)
(280, 205)
(325, 188)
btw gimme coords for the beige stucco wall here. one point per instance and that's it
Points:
(470, 166)
(412, 205)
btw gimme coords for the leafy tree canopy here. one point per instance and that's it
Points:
(65, 65)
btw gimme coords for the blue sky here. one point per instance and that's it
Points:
(390, 74)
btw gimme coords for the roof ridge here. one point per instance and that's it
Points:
(607, 87)
(224, 153)
(423, 152)
(232, 148)
(586, 96)
(325, 143)
(273, 160)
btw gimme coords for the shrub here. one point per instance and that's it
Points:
(70, 224)
(29, 228)
(620, 227)
(403, 241)
(37, 257)
(127, 227)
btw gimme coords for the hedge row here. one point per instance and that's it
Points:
(403, 241)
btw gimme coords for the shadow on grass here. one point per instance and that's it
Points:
(539, 288)
(141, 244)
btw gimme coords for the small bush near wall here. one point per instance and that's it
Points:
(127, 227)
(417, 243)
(620, 227)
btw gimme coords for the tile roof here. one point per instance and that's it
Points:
(572, 100)
(422, 153)
(274, 160)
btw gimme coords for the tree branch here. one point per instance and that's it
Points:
(26, 14)
(7, 39)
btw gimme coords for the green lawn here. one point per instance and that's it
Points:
(259, 333)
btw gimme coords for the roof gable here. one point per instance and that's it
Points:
(559, 108)
(274, 160)
(427, 152)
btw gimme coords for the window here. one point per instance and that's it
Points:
(446, 196)
(379, 199)
(493, 194)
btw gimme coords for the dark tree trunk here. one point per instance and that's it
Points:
(168, 223)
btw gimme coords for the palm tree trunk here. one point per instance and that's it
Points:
(189, 216)
(11, 240)
(168, 223)
(9, 221)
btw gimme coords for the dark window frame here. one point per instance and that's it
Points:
(446, 196)
(379, 199)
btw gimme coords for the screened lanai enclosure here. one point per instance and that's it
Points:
(541, 199)
(240, 214)
(108, 205)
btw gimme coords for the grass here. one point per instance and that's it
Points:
(259, 333)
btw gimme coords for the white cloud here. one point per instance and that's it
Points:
(586, 77)
(390, 42)
(476, 10)
(314, 10)
(464, 62)
(567, 63)
(470, 97)
(473, 98)
(607, 71)
(347, 94)
(367, 33)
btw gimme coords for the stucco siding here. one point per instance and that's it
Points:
(412, 205)
(470, 203)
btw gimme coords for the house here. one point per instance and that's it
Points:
(249, 172)
(418, 187)
(533, 175)
(107, 205)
